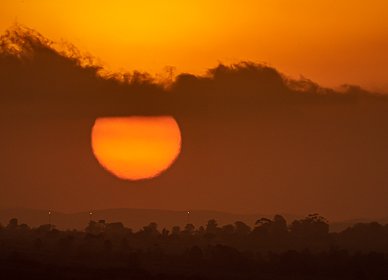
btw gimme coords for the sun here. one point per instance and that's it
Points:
(136, 147)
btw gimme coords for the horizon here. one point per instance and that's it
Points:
(137, 219)
(193, 211)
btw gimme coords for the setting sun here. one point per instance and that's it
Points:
(135, 148)
(241, 139)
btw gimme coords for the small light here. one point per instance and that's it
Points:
(49, 213)
(91, 213)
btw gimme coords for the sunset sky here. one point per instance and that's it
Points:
(330, 42)
(251, 137)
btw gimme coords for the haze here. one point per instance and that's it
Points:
(252, 138)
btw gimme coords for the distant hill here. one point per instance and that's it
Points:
(132, 218)
(340, 226)
(137, 218)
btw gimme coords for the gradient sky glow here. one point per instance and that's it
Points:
(330, 42)
(248, 141)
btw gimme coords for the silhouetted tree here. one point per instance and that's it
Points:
(279, 227)
(241, 228)
(176, 230)
(45, 228)
(262, 227)
(13, 224)
(95, 228)
(313, 226)
(189, 229)
(228, 229)
(165, 233)
(212, 226)
(151, 230)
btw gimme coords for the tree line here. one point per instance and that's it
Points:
(271, 249)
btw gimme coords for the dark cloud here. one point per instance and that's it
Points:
(253, 140)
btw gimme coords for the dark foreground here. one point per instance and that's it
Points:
(271, 250)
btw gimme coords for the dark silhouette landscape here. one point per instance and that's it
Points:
(271, 249)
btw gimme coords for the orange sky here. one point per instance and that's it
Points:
(249, 144)
(331, 42)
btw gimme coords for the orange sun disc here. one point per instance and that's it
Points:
(137, 147)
